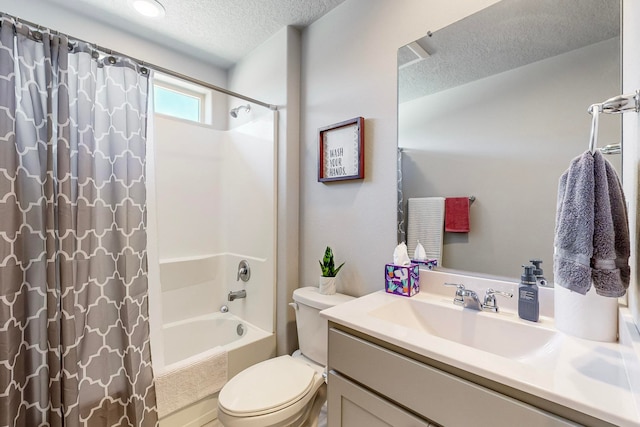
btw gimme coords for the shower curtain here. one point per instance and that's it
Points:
(74, 333)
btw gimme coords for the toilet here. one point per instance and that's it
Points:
(286, 390)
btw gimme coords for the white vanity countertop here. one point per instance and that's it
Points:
(587, 376)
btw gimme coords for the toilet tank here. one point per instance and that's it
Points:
(312, 328)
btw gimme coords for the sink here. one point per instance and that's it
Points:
(502, 334)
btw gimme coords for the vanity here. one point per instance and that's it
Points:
(423, 361)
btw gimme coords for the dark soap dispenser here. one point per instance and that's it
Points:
(528, 304)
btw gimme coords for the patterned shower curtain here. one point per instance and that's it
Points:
(74, 333)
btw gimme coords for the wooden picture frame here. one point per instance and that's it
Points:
(341, 151)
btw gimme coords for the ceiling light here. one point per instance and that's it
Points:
(148, 8)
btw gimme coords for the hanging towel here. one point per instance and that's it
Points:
(573, 240)
(620, 224)
(426, 224)
(592, 234)
(456, 214)
(611, 247)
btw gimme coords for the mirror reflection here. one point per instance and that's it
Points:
(495, 106)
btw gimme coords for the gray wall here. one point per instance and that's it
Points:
(349, 70)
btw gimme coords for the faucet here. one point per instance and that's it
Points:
(237, 294)
(465, 297)
(489, 303)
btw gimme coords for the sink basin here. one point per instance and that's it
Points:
(502, 334)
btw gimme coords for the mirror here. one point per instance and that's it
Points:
(495, 106)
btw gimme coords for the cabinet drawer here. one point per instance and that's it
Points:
(434, 394)
(351, 405)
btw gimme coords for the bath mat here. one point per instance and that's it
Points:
(186, 382)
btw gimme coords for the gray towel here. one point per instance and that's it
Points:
(592, 232)
(611, 247)
(574, 226)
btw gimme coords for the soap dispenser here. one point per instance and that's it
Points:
(528, 304)
(540, 279)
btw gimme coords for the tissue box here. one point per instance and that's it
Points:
(430, 264)
(402, 279)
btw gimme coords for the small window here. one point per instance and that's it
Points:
(180, 99)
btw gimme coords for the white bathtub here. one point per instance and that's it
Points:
(188, 338)
(192, 343)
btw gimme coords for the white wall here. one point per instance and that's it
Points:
(349, 70)
(272, 73)
(215, 206)
(189, 172)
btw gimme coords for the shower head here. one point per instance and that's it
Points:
(234, 111)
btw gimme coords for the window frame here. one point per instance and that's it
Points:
(201, 93)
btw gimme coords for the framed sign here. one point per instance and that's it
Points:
(341, 151)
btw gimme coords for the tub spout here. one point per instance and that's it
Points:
(237, 294)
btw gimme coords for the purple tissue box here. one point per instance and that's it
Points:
(402, 279)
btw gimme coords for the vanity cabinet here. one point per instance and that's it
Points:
(372, 384)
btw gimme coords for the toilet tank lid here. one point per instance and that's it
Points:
(311, 296)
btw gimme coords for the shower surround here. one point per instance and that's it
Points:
(212, 204)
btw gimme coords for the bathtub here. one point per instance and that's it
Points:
(192, 349)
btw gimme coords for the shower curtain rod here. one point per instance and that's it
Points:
(147, 64)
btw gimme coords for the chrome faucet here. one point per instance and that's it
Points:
(465, 297)
(237, 294)
(490, 303)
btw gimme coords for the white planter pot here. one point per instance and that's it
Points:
(327, 285)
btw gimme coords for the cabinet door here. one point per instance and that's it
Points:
(350, 405)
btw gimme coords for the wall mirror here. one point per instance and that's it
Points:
(494, 106)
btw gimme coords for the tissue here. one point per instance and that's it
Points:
(420, 257)
(419, 254)
(402, 277)
(400, 255)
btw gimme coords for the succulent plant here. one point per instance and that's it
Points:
(327, 265)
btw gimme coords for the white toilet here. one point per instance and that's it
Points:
(286, 390)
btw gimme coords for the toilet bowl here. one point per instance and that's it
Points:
(286, 390)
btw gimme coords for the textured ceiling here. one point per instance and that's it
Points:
(509, 34)
(218, 31)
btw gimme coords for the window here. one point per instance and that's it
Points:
(181, 99)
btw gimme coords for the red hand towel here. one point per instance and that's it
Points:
(456, 214)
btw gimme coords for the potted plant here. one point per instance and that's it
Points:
(327, 282)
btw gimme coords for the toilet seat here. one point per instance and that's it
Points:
(252, 393)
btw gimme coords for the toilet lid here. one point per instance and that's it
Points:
(267, 387)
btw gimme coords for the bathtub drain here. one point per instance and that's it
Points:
(240, 329)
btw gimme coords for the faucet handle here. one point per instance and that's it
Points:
(490, 303)
(459, 292)
(244, 271)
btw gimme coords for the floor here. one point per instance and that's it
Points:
(322, 420)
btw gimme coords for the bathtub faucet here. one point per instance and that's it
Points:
(237, 294)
